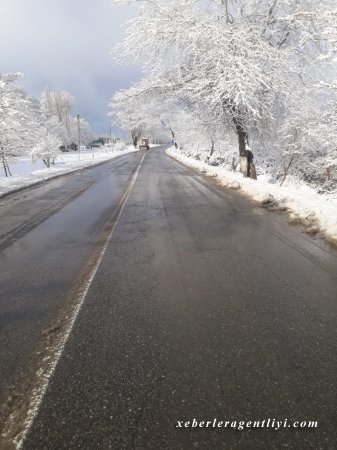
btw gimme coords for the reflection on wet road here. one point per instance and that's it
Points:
(202, 306)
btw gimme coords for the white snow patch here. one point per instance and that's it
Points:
(318, 212)
(25, 172)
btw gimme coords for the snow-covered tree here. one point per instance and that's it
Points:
(36, 128)
(56, 106)
(240, 62)
(57, 103)
(47, 147)
(327, 130)
(128, 113)
(227, 68)
(17, 120)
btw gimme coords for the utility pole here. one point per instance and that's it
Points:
(78, 137)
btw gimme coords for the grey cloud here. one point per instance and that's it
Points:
(66, 44)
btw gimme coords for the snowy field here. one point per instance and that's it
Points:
(25, 172)
(317, 212)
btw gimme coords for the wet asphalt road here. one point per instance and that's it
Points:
(45, 234)
(204, 306)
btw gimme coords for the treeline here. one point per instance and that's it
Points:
(250, 85)
(36, 127)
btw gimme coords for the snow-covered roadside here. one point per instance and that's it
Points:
(65, 164)
(318, 212)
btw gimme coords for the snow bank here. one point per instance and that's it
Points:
(28, 175)
(317, 212)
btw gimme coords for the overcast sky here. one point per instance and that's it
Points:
(65, 44)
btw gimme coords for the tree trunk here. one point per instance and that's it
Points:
(135, 139)
(247, 166)
(212, 148)
(286, 167)
(4, 165)
(47, 161)
(8, 169)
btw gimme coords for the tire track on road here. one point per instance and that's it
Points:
(9, 237)
(25, 227)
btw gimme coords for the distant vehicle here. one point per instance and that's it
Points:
(144, 144)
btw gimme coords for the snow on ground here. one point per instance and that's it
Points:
(25, 172)
(318, 212)
(23, 166)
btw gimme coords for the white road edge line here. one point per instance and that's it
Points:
(38, 393)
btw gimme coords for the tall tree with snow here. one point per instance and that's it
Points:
(127, 112)
(17, 120)
(56, 106)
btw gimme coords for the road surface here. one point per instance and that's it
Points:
(146, 295)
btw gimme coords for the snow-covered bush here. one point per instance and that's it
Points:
(47, 148)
